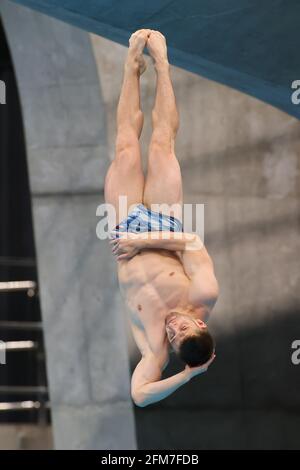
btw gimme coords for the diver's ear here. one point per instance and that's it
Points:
(201, 324)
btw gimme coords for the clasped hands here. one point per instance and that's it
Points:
(126, 246)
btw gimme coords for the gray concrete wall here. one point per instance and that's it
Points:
(65, 126)
(239, 157)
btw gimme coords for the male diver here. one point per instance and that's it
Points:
(166, 276)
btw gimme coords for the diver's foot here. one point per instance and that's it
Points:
(157, 48)
(137, 43)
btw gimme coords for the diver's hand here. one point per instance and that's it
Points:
(193, 371)
(126, 246)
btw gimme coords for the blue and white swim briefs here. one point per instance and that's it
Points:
(141, 219)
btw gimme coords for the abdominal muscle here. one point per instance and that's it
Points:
(152, 283)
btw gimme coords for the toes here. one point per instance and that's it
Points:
(158, 33)
(141, 32)
(140, 37)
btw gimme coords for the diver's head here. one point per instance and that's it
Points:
(189, 338)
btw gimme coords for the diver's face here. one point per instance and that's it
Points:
(179, 326)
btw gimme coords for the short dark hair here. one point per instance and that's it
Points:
(197, 349)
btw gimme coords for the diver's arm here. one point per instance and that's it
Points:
(146, 386)
(173, 241)
(128, 245)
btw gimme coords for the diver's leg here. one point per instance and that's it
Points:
(163, 183)
(125, 175)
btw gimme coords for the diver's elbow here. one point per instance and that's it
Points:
(138, 399)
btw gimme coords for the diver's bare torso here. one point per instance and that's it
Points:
(152, 283)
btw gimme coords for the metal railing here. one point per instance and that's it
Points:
(18, 345)
(37, 395)
(23, 390)
(14, 286)
(19, 262)
(23, 405)
(20, 325)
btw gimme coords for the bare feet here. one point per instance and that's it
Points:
(137, 42)
(157, 48)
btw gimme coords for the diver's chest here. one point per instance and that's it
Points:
(151, 266)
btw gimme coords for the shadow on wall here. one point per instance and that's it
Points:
(249, 399)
